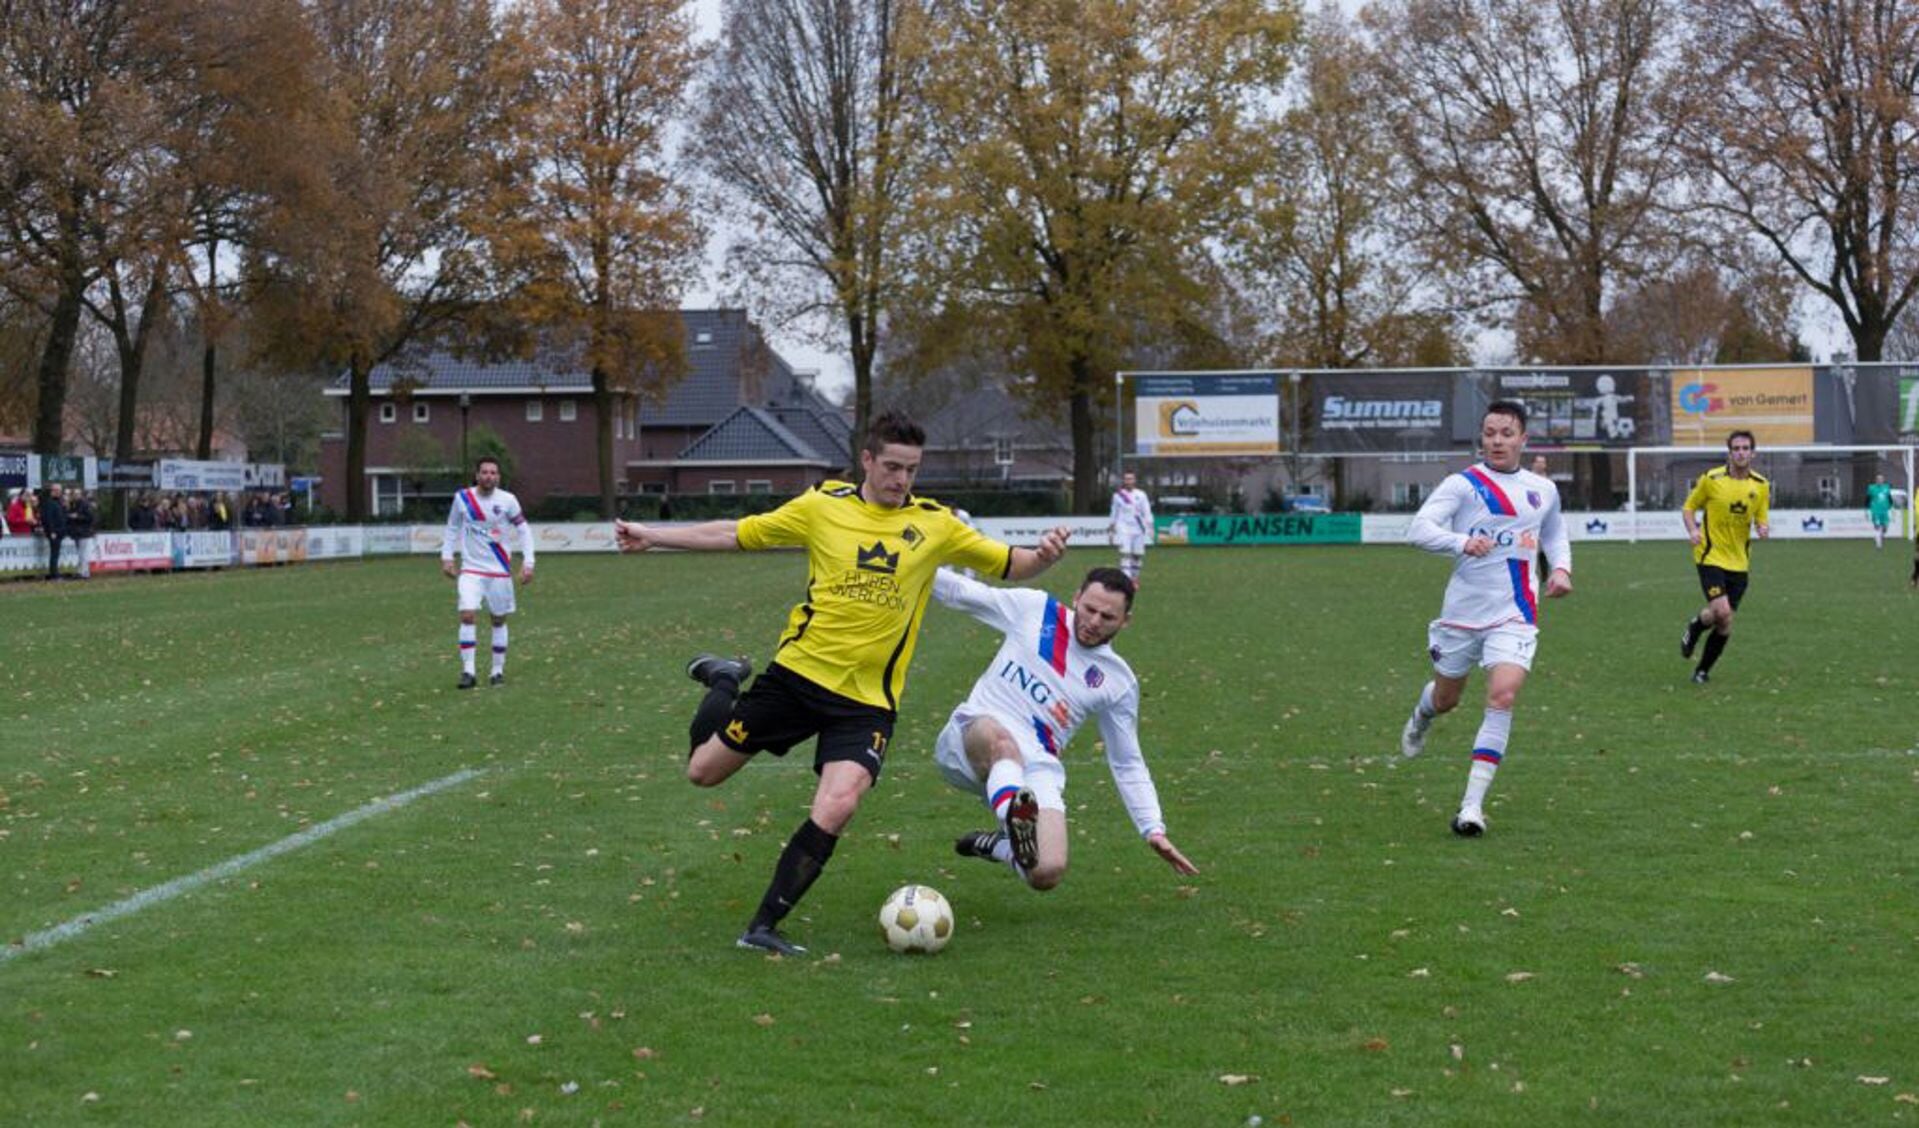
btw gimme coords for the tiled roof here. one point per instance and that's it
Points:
(728, 364)
(824, 430)
(752, 434)
(987, 412)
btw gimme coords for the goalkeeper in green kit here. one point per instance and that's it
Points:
(1879, 508)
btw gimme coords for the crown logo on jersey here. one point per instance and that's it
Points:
(1736, 507)
(877, 559)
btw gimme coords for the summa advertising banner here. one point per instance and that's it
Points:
(1381, 411)
(1206, 413)
(1775, 404)
(1579, 407)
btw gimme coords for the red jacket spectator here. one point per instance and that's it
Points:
(19, 515)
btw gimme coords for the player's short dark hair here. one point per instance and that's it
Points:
(1747, 435)
(483, 460)
(1509, 407)
(1112, 579)
(893, 426)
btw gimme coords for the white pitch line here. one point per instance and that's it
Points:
(146, 898)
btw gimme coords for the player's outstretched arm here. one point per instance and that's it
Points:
(1163, 846)
(707, 536)
(1559, 583)
(1030, 562)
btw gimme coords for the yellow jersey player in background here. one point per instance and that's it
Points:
(872, 551)
(1725, 508)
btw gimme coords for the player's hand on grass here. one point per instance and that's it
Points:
(1559, 583)
(1477, 546)
(1163, 846)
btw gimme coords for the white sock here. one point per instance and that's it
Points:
(1423, 710)
(1489, 748)
(469, 635)
(1878, 538)
(499, 649)
(1003, 779)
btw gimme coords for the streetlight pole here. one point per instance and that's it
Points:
(466, 402)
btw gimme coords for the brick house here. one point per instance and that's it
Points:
(765, 423)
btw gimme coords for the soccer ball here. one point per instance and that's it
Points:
(916, 919)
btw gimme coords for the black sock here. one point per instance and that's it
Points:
(1715, 643)
(802, 860)
(714, 708)
(1693, 627)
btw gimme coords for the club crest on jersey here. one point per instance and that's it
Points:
(1095, 677)
(1532, 498)
(912, 536)
(1736, 507)
(736, 732)
(877, 559)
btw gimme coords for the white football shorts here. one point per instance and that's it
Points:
(1045, 777)
(496, 592)
(1454, 650)
(1130, 546)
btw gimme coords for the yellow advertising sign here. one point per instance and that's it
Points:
(1775, 404)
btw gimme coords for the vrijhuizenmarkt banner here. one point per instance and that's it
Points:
(1580, 406)
(1259, 528)
(1381, 411)
(1775, 404)
(1206, 413)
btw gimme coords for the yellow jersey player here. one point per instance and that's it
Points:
(1726, 507)
(872, 552)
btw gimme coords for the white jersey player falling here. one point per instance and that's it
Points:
(1041, 686)
(477, 527)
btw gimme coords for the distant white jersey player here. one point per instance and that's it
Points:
(1131, 523)
(476, 529)
(1005, 743)
(1494, 519)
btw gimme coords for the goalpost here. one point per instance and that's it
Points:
(1784, 465)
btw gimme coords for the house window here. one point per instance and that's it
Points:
(759, 485)
(653, 487)
(569, 411)
(1405, 494)
(1003, 452)
(389, 412)
(420, 413)
(703, 337)
(720, 486)
(388, 493)
(535, 411)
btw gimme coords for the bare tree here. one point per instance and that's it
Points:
(1539, 158)
(1806, 133)
(805, 131)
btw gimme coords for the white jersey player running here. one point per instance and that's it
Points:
(476, 528)
(1494, 519)
(1131, 523)
(1055, 668)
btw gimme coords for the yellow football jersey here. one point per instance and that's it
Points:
(869, 574)
(1728, 507)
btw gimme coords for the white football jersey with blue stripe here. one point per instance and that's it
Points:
(477, 529)
(1518, 511)
(1043, 684)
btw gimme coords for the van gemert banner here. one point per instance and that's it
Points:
(1382, 411)
(1775, 404)
(1207, 414)
(1578, 406)
(1259, 528)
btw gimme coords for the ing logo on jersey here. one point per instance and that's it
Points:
(877, 559)
(736, 732)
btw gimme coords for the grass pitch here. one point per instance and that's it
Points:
(1694, 906)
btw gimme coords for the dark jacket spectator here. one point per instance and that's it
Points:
(53, 525)
(81, 517)
(141, 520)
